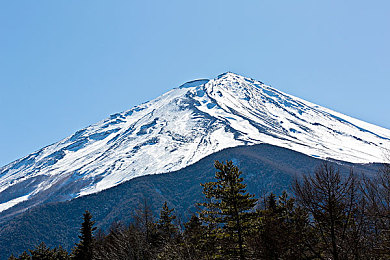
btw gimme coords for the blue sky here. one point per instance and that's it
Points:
(67, 64)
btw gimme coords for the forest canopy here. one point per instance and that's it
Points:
(327, 216)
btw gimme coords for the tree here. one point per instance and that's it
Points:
(192, 235)
(24, 256)
(144, 220)
(42, 252)
(195, 241)
(335, 209)
(145, 223)
(84, 249)
(384, 210)
(229, 210)
(165, 226)
(282, 232)
(168, 235)
(377, 194)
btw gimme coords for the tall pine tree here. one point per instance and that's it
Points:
(164, 225)
(84, 249)
(229, 208)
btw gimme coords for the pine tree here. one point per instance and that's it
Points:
(170, 239)
(269, 237)
(165, 226)
(283, 230)
(193, 231)
(24, 256)
(193, 237)
(228, 210)
(60, 253)
(84, 249)
(12, 257)
(41, 252)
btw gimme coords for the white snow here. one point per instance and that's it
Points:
(11, 203)
(183, 126)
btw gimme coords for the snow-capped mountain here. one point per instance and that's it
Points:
(179, 128)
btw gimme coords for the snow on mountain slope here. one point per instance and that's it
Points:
(179, 128)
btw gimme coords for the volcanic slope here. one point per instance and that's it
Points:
(179, 128)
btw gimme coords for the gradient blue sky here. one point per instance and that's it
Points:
(67, 64)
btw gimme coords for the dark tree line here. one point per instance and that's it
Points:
(329, 216)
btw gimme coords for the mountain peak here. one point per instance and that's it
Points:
(194, 83)
(181, 127)
(228, 74)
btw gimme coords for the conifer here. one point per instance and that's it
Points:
(228, 210)
(84, 249)
(164, 225)
(193, 237)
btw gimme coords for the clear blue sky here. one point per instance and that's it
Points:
(67, 64)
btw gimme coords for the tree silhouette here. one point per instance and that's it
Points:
(84, 249)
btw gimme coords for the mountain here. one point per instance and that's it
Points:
(178, 129)
(266, 168)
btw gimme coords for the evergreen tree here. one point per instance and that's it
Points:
(269, 236)
(24, 256)
(165, 226)
(170, 239)
(41, 252)
(228, 210)
(60, 253)
(197, 247)
(84, 249)
(193, 232)
(282, 232)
